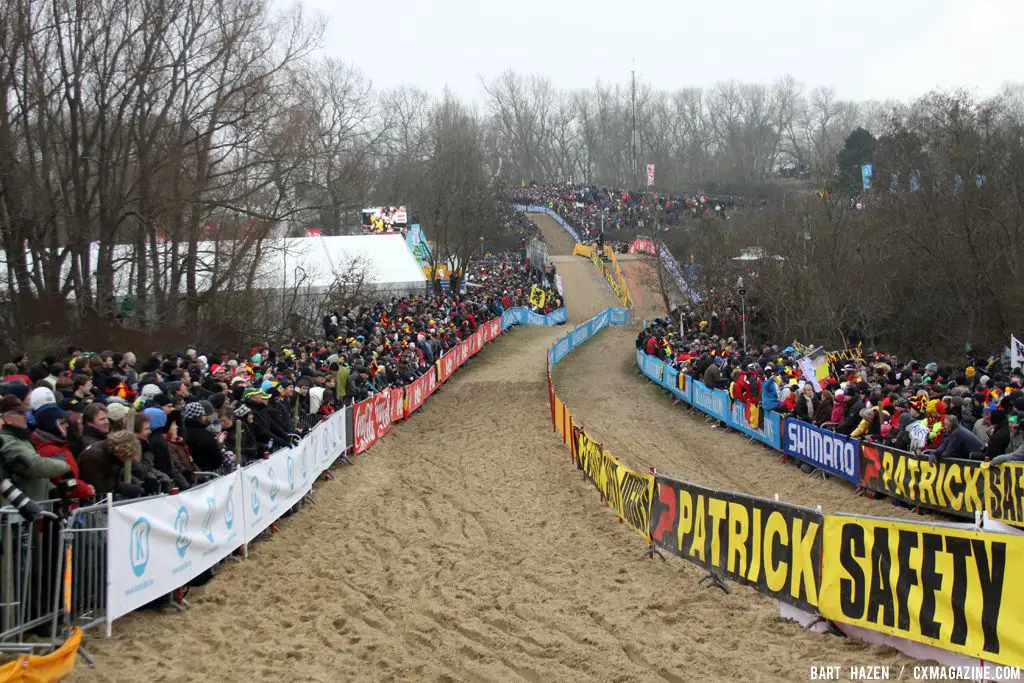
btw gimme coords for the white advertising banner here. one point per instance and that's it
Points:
(160, 544)
(274, 485)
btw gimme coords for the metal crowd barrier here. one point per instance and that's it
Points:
(31, 568)
(85, 547)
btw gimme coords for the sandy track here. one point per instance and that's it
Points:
(558, 240)
(641, 278)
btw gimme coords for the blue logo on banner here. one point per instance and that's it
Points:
(834, 453)
(327, 445)
(183, 540)
(229, 507)
(138, 546)
(274, 486)
(305, 464)
(254, 483)
(290, 469)
(211, 512)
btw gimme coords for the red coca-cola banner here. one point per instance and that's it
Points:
(397, 405)
(492, 328)
(419, 391)
(371, 420)
(643, 245)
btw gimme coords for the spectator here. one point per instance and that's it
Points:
(204, 447)
(28, 470)
(959, 443)
(95, 427)
(51, 441)
(161, 450)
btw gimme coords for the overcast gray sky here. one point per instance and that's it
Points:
(866, 49)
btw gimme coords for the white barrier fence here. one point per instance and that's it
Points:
(158, 544)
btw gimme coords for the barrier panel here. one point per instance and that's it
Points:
(372, 417)
(713, 402)
(834, 453)
(941, 585)
(774, 547)
(419, 391)
(524, 316)
(956, 487)
(626, 491)
(757, 424)
(643, 245)
(1004, 493)
(153, 546)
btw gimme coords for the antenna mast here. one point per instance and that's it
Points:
(632, 107)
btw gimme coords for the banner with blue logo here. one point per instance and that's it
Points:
(158, 544)
(834, 453)
(533, 208)
(524, 316)
(653, 368)
(714, 402)
(769, 432)
(619, 316)
(559, 351)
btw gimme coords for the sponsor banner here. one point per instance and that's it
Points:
(158, 544)
(834, 453)
(669, 378)
(1004, 493)
(653, 368)
(419, 391)
(772, 546)
(945, 586)
(627, 492)
(523, 316)
(446, 366)
(372, 420)
(559, 413)
(272, 486)
(643, 245)
(742, 419)
(956, 487)
(559, 351)
(397, 405)
(714, 402)
(619, 316)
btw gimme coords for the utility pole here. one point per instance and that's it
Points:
(632, 108)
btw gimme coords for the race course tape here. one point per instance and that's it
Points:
(941, 585)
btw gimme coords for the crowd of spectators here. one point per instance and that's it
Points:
(590, 209)
(70, 425)
(940, 411)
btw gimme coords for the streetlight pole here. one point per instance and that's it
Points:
(742, 291)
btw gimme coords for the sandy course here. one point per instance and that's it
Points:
(641, 273)
(464, 547)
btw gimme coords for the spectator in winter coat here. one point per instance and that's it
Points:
(202, 445)
(769, 391)
(959, 442)
(158, 446)
(823, 413)
(179, 449)
(851, 413)
(153, 479)
(102, 464)
(95, 427)
(50, 440)
(806, 404)
(999, 442)
(28, 470)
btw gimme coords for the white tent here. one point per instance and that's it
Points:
(313, 263)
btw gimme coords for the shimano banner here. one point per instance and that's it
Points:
(159, 544)
(834, 453)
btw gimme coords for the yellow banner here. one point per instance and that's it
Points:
(844, 355)
(627, 492)
(537, 296)
(581, 250)
(1004, 493)
(559, 418)
(956, 589)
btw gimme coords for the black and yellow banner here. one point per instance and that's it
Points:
(956, 589)
(627, 492)
(774, 547)
(1004, 491)
(537, 296)
(956, 487)
(844, 355)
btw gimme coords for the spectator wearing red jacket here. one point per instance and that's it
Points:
(50, 440)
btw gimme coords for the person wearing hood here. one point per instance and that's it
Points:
(823, 413)
(28, 470)
(202, 444)
(769, 390)
(999, 442)
(51, 441)
(158, 446)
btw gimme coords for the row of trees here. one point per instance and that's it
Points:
(929, 273)
(153, 152)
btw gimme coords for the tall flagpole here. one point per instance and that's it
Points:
(632, 107)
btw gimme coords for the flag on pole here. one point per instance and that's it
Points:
(865, 175)
(650, 175)
(1016, 352)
